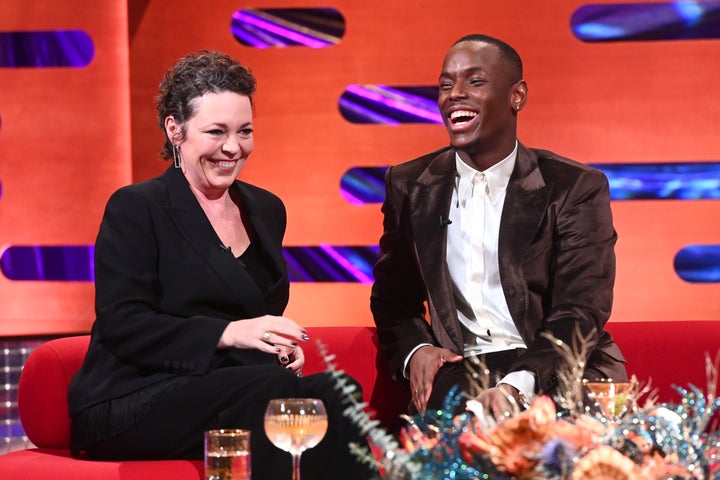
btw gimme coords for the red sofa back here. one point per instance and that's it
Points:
(668, 353)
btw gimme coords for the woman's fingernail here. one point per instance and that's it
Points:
(284, 359)
(294, 344)
(277, 350)
(305, 337)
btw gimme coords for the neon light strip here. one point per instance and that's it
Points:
(45, 49)
(683, 20)
(244, 17)
(698, 263)
(629, 181)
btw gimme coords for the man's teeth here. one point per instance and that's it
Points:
(460, 116)
(226, 164)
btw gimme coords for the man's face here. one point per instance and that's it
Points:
(475, 99)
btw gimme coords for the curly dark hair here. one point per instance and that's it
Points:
(193, 76)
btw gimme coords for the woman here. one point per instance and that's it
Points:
(190, 289)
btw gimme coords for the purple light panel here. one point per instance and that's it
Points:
(68, 263)
(698, 263)
(74, 263)
(45, 49)
(389, 105)
(331, 263)
(628, 181)
(684, 20)
(285, 27)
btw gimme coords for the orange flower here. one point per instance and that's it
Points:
(514, 445)
(581, 433)
(655, 466)
(605, 463)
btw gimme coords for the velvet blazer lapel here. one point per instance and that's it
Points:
(197, 230)
(429, 203)
(525, 207)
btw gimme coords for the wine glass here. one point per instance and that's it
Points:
(613, 399)
(294, 425)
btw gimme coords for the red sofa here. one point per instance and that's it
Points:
(666, 352)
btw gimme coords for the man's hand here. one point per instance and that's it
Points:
(502, 401)
(423, 366)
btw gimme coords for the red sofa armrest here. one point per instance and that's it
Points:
(42, 390)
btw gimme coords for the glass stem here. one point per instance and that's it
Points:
(296, 466)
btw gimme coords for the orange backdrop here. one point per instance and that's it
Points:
(598, 103)
(64, 146)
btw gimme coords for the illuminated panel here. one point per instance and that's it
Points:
(330, 263)
(285, 27)
(387, 105)
(54, 263)
(699, 263)
(56, 48)
(362, 185)
(324, 263)
(650, 181)
(663, 181)
(647, 21)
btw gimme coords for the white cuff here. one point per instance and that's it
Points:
(523, 381)
(407, 359)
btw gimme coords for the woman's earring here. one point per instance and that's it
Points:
(176, 155)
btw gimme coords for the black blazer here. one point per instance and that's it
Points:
(556, 258)
(166, 290)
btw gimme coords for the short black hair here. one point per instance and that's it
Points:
(507, 52)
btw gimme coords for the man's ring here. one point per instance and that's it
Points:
(266, 336)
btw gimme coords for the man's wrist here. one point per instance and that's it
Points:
(516, 394)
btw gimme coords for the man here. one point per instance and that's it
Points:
(500, 242)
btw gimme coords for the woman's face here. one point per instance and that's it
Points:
(218, 140)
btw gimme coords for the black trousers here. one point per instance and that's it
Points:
(459, 375)
(236, 397)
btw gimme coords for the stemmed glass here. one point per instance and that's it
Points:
(613, 399)
(294, 425)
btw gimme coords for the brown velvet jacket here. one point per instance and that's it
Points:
(556, 258)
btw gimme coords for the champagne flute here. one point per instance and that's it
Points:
(294, 425)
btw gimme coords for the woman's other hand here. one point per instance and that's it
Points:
(292, 359)
(268, 333)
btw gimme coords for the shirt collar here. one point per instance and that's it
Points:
(497, 176)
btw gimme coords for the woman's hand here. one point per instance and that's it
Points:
(293, 359)
(269, 333)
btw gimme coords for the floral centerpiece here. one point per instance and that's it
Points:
(581, 434)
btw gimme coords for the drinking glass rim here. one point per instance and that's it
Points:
(233, 432)
(296, 399)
